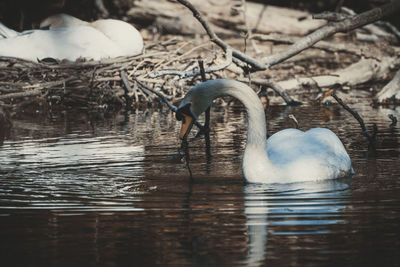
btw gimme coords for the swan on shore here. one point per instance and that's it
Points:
(289, 155)
(66, 37)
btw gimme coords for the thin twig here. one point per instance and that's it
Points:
(127, 88)
(365, 132)
(193, 72)
(49, 84)
(146, 90)
(162, 63)
(91, 83)
(295, 121)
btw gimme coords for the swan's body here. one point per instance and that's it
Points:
(70, 38)
(290, 155)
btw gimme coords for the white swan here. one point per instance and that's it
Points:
(70, 38)
(287, 156)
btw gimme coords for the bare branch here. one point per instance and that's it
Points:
(330, 29)
(330, 16)
(365, 132)
(161, 96)
(279, 90)
(165, 100)
(31, 90)
(252, 62)
(29, 93)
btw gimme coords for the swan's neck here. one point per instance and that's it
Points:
(255, 158)
(256, 131)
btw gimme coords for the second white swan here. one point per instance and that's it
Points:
(67, 37)
(287, 156)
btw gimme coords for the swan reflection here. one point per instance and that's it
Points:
(295, 209)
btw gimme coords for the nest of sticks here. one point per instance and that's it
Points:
(163, 70)
(168, 67)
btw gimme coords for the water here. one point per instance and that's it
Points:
(82, 191)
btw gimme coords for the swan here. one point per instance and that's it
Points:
(287, 156)
(65, 37)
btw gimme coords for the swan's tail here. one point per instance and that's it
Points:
(6, 32)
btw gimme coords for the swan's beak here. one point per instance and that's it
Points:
(187, 123)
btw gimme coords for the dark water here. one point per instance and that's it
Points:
(77, 191)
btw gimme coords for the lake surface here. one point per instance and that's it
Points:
(113, 191)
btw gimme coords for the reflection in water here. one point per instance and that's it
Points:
(5, 124)
(82, 192)
(297, 209)
(75, 151)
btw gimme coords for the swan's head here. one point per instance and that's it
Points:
(61, 21)
(195, 102)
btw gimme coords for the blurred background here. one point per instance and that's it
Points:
(25, 14)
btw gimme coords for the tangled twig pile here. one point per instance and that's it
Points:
(169, 64)
(166, 66)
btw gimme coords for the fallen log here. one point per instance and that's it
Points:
(261, 18)
(366, 70)
(390, 93)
